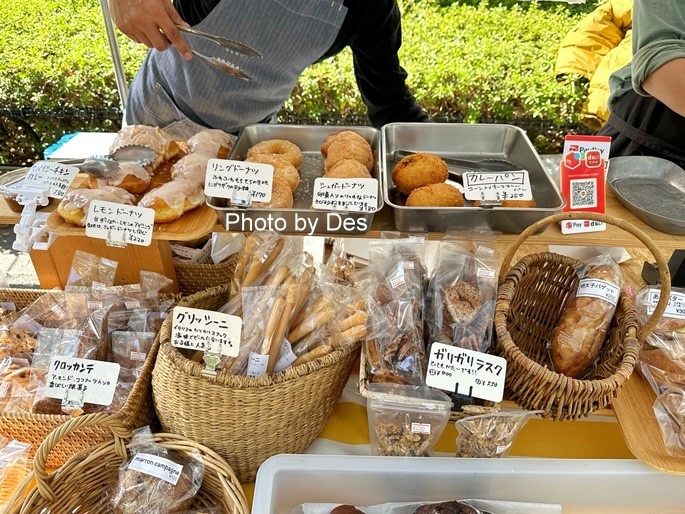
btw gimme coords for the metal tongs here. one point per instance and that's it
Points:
(106, 166)
(229, 44)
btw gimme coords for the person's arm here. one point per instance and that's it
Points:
(667, 85)
(380, 77)
(658, 66)
(151, 22)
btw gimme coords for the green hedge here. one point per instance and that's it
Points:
(467, 61)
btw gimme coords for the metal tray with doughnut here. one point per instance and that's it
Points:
(491, 147)
(301, 218)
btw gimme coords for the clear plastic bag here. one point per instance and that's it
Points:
(88, 270)
(669, 409)
(406, 420)
(155, 480)
(14, 468)
(490, 435)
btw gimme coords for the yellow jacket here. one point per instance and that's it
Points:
(597, 46)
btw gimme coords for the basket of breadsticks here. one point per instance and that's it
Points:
(568, 329)
(133, 471)
(301, 333)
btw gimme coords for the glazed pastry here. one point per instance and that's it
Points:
(214, 143)
(171, 200)
(154, 138)
(131, 177)
(75, 204)
(192, 167)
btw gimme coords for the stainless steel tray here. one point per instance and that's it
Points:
(301, 218)
(651, 188)
(477, 142)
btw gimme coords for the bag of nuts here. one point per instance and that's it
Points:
(406, 420)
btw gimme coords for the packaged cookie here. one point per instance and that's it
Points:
(155, 480)
(405, 420)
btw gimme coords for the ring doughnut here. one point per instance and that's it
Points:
(338, 136)
(417, 170)
(348, 168)
(289, 151)
(281, 196)
(282, 168)
(349, 149)
(435, 195)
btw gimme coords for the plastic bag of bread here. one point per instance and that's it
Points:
(462, 292)
(14, 468)
(490, 434)
(669, 409)
(155, 480)
(394, 348)
(578, 337)
(406, 420)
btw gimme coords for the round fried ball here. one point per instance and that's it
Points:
(417, 170)
(435, 195)
(348, 168)
(345, 134)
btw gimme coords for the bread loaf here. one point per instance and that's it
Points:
(577, 339)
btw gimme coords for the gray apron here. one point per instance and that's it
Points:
(184, 97)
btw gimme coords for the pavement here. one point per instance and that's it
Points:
(16, 268)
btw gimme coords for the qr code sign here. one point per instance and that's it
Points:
(583, 193)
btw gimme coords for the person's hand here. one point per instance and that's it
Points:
(151, 22)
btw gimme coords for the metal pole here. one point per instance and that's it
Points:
(119, 74)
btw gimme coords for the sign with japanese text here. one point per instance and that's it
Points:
(675, 308)
(500, 185)
(467, 372)
(601, 289)
(89, 380)
(239, 181)
(199, 329)
(346, 194)
(54, 174)
(120, 224)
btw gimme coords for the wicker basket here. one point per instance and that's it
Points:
(193, 278)
(79, 484)
(34, 428)
(530, 301)
(246, 420)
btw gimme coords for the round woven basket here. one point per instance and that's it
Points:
(531, 299)
(78, 485)
(246, 420)
(193, 278)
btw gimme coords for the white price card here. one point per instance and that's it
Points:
(94, 381)
(500, 185)
(203, 330)
(601, 289)
(467, 372)
(346, 194)
(675, 308)
(54, 174)
(120, 224)
(156, 466)
(239, 181)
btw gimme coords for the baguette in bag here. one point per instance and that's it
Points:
(578, 338)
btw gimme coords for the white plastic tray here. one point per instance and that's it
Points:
(580, 486)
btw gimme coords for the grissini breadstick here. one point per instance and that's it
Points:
(313, 307)
(320, 317)
(284, 321)
(258, 267)
(304, 286)
(248, 249)
(317, 352)
(358, 318)
(351, 335)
